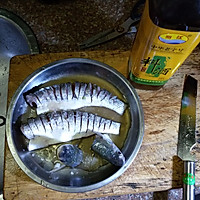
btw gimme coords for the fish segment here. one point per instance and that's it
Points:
(105, 147)
(65, 126)
(71, 96)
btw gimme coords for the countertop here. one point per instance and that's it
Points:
(60, 25)
(156, 166)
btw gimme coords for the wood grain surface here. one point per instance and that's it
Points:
(155, 168)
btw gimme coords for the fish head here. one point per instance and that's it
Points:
(70, 155)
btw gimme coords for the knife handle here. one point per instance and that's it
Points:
(189, 180)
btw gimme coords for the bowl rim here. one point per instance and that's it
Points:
(74, 189)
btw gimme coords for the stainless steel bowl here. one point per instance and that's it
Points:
(53, 72)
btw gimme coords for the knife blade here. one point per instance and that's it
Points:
(186, 135)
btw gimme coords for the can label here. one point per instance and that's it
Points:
(157, 52)
(189, 179)
(171, 38)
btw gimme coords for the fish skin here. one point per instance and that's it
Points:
(65, 126)
(105, 147)
(84, 124)
(77, 90)
(46, 123)
(50, 92)
(88, 93)
(43, 96)
(63, 89)
(32, 100)
(70, 155)
(102, 94)
(95, 92)
(96, 125)
(71, 96)
(78, 122)
(113, 126)
(102, 125)
(64, 116)
(82, 90)
(69, 91)
(57, 92)
(91, 118)
(71, 121)
(26, 129)
(40, 125)
(52, 121)
(32, 125)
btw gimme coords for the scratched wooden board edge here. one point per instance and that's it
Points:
(98, 55)
(111, 189)
(49, 58)
(36, 61)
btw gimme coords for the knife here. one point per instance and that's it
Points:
(186, 136)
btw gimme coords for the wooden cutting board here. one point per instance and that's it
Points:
(155, 168)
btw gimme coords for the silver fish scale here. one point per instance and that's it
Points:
(46, 123)
(71, 96)
(88, 92)
(39, 125)
(57, 92)
(69, 91)
(105, 147)
(102, 94)
(102, 125)
(78, 122)
(63, 89)
(96, 123)
(52, 121)
(64, 126)
(32, 100)
(42, 97)
(95, 92)
(82, 90)
(71, 121)
(84, 122)
(45, 94)
(27, 129)
(33, 127)
(91, 121)
(77, 90)
(50, 92)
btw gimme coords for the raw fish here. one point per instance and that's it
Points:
(63, 126)
(105, 147)
(71, 96)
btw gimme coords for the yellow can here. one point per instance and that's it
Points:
(158, 52)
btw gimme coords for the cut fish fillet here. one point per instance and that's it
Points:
(71, 96)
(64, 126)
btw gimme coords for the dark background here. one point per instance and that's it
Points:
(61, 25)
